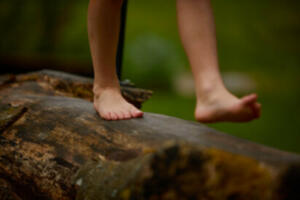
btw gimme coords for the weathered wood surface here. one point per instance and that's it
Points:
(53, 145)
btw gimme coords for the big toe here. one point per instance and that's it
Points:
(249, 99)
(136, 113)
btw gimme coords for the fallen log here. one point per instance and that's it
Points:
(53, 145)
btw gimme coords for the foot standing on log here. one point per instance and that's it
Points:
(197, 30)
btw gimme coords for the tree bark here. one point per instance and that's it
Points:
(53, 145)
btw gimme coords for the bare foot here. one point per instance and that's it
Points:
(223, 106)
(110, 105)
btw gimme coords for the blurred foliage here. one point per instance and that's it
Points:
(151, 56)
(36, 27)
(256, 37)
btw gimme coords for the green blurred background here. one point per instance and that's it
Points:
(258, 44)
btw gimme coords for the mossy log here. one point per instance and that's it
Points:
(54, 146)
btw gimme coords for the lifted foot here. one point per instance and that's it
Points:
(223, 106)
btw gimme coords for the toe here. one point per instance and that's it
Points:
(121, 115)
(134, 113)
(113, 116)
(249, 99)
(256, 109)
(109, 116)
(105, 116)
(137, 113)
(127, 115)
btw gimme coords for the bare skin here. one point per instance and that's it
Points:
(103, 29)
(197, 30)
(214, 102)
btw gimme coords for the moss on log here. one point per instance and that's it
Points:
(53, 145)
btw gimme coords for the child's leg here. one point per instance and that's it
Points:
(214, 101)
(103, 30)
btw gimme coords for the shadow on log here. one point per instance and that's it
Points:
(54, 146)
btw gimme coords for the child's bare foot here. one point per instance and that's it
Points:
(111, 105)
(223, 106)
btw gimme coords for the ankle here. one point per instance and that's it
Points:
(105, 81)
(209, 89)
(212, 94)
(100, 88)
